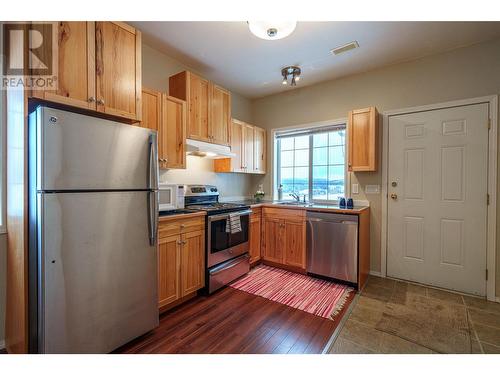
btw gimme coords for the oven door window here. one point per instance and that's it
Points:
(220, 240)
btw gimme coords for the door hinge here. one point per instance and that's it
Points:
(489, 124)
(486, 274)
(487, 199)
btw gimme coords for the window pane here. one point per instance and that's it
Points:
(286, 143)
(286, 158)
(336, 138)
(320, 140)
(320, 183)
(302, 142)
(337, 155)
(320, 156)
(301, 158)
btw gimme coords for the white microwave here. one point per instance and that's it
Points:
(170, 197)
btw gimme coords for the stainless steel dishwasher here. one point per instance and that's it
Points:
(332, 245)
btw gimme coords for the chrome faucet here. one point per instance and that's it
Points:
(295, 196)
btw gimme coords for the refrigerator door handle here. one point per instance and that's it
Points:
(153, 217)
(153, 163)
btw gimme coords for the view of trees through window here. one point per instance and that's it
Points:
(321, 178)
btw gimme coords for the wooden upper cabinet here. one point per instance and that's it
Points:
(259, 164)
(208, 106)
(220, 120)
(75, 66)
(99, 68)
(248, 143)
(166, 115)
(362, 136)
(248, 148)
(118, 69)
(151, 109)
(195, 91)
(172, 133)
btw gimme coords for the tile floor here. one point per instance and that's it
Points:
(397, 317)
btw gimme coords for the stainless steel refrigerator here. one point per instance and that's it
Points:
(93, 228)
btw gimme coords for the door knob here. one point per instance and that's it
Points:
(91, 99)
(100, 101)
(394, 196)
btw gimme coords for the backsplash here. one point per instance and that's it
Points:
(200, 171)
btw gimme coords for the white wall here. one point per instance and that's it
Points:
(462, 73)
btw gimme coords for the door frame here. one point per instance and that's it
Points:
(492, 101)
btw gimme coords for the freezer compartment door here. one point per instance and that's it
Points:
(98, 276)
(332, 246)
(78, 152)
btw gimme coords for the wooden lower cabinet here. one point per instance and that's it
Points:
(168, 270)
(192, 262)
(284, 237)
(254, 236)
(181, 260)
(294, 235)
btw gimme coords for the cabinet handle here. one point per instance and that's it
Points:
(100, 101)
(179, 242)
(183, 226)
(91, 99)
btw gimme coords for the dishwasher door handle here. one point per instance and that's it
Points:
(315, 220)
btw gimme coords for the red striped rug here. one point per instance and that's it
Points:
(315, 296)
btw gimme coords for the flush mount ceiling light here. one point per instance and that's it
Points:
(270, 30)
(290, 71)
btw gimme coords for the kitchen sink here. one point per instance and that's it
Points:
(300, 204)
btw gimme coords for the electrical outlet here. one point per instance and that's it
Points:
(355, 189)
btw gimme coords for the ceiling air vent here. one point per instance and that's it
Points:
(345, 48)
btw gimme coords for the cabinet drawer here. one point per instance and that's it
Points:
(180, 226)
(285, 213)
(256, 214)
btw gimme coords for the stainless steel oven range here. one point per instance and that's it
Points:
(226, 250)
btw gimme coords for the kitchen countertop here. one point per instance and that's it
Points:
(181, 216)
(314, 207)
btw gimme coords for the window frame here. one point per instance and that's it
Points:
(311, 127)
(3, 151)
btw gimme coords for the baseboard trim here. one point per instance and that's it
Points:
(376, 273)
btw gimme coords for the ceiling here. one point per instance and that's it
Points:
(227, 53)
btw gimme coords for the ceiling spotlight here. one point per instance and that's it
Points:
(291, 71)
(272, 30)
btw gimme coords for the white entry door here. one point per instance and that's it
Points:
(437, 190)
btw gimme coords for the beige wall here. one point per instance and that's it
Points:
(463, 73)
(3, 281)
(156, 69)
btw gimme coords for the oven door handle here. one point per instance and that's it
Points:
(226, 216)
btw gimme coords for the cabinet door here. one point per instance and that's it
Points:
(118, 69)
(234, 164)
(168, 270)
(198, 108)
(151, 110)
(172, 135)
(220, 119)
(248, 142)
(76, 66)
(272, 246)
(294, 234)
(259, 150)
(362, 135)
(254, 239)
(192, 262)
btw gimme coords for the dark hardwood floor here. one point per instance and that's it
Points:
(232, 321)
